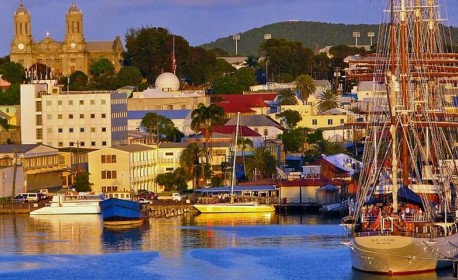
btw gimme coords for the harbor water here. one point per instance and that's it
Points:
(236, 246)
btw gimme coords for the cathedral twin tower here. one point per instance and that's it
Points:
(62, 58)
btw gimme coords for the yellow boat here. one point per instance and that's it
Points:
(232, 219)
(249, 207)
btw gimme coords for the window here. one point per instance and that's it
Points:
(104, 143)
(70, 116)
(314, 122)
(81, 129)
(92, 143)
(82, 144)
(342, 121)
(70, 130)
(81, 102)
(170, 107)
(104, 129)
(103, 101)
(60, 130)
(103, 158)
(92, 129)
(70, 102)
(38, 106)
(329, 121)
(92, 102)
(81, 116)
(48, 103)
(109, 174)
(71, 144)
(169, 154)
(61, 144)
(59, 102)
(73, 60)
(92, 116)
(59, 116)
(104, 116)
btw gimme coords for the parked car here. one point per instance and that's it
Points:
(147, 195)
(19, 198)
(144, 201)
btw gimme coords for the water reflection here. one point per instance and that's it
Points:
(252, 246)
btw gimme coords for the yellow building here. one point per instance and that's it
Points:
(122, 168)
(61, 57)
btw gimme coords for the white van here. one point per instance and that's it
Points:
(28, 197)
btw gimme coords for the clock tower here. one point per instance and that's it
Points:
(74, 44)
(22, 41)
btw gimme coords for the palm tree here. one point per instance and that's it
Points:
(286, 97)
(262, 162)
(306, 86)
(251, 62)
(203, 119)
(244, 143)
(327, 100)
(189, 159)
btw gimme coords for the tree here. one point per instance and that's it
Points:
(102, 67)
(236, 82)
(251, 62)
(11, 96)
(82, 183)
(12, 72)
(286, 59)
(292, 117)
(189, 160)
(203, 119)
(323, 147)
(76, 81)
(287, 97)
(161, 126)
(129, 76)
(262, 162)
(306, 86)
(327, 100)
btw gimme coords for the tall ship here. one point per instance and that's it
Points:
(404, 217)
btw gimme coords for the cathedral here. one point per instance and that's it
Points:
(65, 57)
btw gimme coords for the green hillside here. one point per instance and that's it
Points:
(314, 35)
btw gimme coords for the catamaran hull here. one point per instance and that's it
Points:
(234, 208)
(394, 255)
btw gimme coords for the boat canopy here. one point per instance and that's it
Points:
(236, 189)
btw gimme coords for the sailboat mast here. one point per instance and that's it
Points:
(234, 158)
(404, 148)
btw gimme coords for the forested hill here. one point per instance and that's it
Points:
(314, 35)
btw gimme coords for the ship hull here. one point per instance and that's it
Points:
(234, 208)
(395, 255)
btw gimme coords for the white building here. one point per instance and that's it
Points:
(59, 118)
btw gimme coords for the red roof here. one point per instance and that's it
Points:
(234, 107)
(249, 100)
(244, 131)
(305, 182)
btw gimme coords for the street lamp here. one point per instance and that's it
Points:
(236, 37)
(356, 35)
(371, 35)
(267, 36)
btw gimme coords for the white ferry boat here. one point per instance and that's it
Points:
(72, 204)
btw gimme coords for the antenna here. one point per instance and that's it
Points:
(174, 65)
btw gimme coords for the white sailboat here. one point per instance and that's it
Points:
(233, 207)
(404, 219)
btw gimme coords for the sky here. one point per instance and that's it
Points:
(198, 21)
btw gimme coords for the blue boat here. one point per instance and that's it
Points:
(121, 213)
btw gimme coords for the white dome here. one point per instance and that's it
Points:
(167, 82)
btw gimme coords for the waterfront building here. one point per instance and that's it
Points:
(59, 118)
(124, 168)
(65, 57)
(37, 167)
